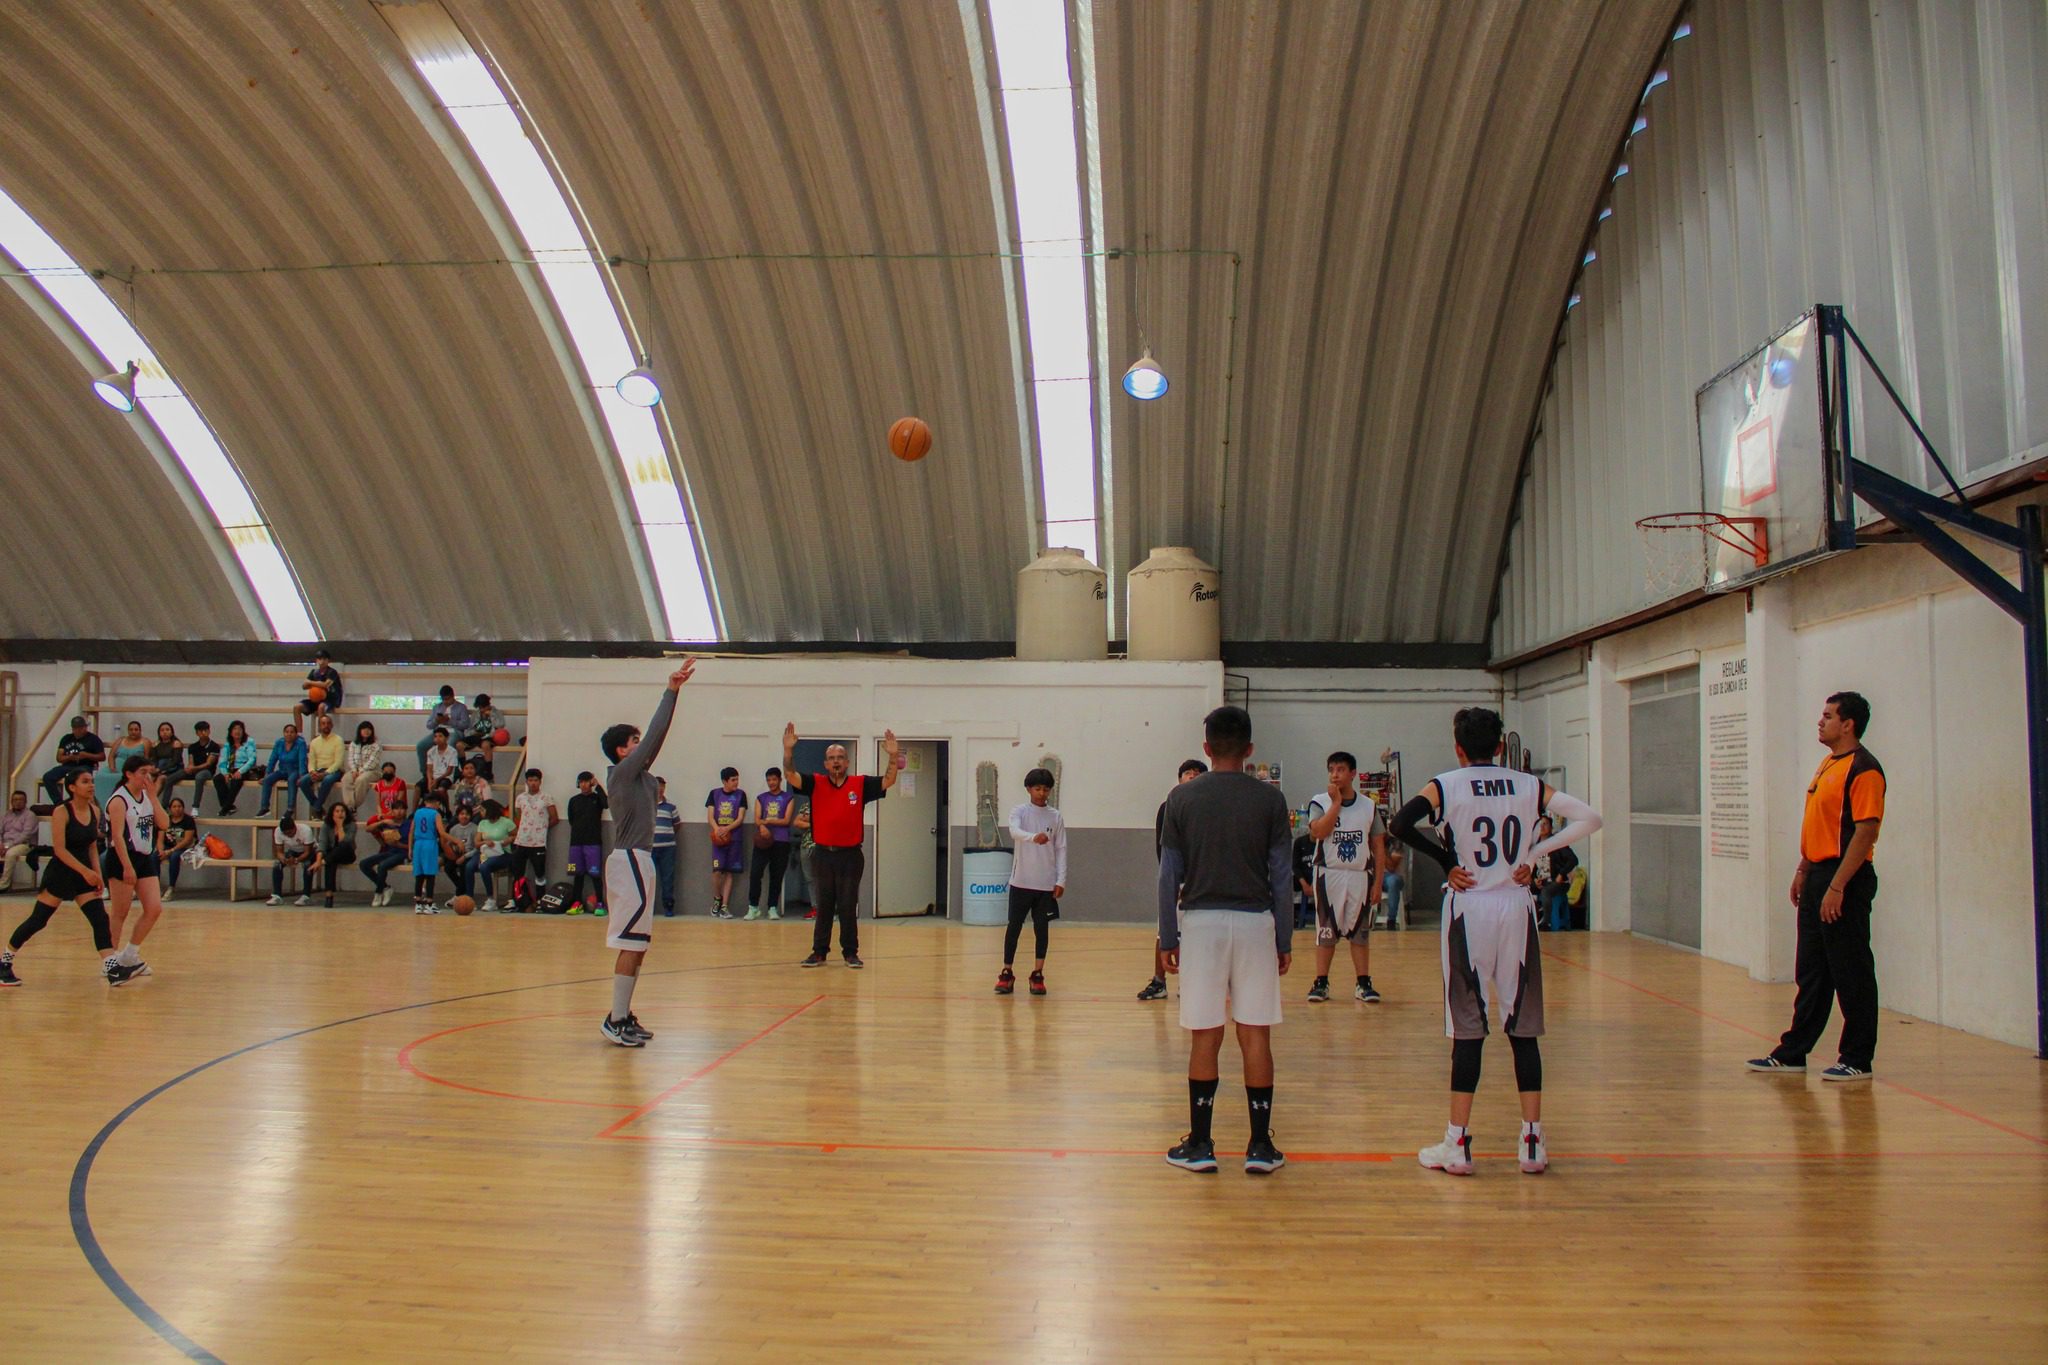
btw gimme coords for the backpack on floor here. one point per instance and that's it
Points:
(524, 895)
(555, 900)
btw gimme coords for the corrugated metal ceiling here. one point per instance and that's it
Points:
(1394, 191)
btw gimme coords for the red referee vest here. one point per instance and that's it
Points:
(835, 811)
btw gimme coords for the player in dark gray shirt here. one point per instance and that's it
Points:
(1226, 924)
(629, 870)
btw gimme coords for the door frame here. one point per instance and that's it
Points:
(941, 831)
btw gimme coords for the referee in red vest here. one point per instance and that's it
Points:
(837, 827)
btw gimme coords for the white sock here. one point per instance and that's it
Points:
(622, 997)
(1455, 1135)
(129, 956)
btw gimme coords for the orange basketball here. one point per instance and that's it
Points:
(316, 694)
(910, 439)
(464, 904)
(501, 736)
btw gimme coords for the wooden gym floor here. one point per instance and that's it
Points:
(356, 1135)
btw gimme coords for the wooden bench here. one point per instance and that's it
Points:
(257, 865)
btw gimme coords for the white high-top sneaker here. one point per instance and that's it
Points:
(1532, 1155)
(1453, 1155)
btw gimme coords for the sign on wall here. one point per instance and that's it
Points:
(1724, 714)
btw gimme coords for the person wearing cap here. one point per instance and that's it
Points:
(78, 752)
(1038, 877)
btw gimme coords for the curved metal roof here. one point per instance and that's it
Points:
(1389, 198)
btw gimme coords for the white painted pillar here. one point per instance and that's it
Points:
(1783, 755)
(1607, 752)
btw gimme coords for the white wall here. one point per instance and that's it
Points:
(1119, 727)
(1953, 932)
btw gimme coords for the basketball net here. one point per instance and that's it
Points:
(1678, 548)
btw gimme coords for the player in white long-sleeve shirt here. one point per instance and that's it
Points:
(1490, 952)
(1038, 877)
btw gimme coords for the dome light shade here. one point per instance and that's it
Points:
(639, 387)
(1145, 381)
(117, 390)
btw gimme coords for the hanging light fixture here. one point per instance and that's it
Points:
(117, 390)
(639, 387)
(1145, 381)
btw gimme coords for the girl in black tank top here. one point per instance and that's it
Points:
(62, 882)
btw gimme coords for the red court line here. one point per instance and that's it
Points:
(1614, 1158)
(634, 1115)
(406, 1062)
(1955, 1109)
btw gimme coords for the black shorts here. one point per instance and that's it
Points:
(66, 885)
(145, 865)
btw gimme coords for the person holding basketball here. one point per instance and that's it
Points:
(631, 883)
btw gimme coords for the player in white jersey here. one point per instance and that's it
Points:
(1351, 849)
(131, 861)
(1490, 952)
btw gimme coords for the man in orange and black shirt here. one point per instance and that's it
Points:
(1833, 888)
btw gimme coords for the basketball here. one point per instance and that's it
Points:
(910, 439)
(316, 694)
(462, 905)
(501, 736)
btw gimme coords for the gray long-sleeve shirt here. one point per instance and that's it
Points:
(1225, 845)
(633, 790)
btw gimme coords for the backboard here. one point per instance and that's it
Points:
(1764, 454)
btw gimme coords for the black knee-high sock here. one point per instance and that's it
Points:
(1260, 1098)
(1201, 1108)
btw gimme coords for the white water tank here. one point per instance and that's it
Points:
(1062, 607)
(1176, 606)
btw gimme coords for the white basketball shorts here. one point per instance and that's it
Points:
(1229, 968)
(630, 891)
(1491, 956)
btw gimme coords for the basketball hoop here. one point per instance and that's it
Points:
(1675, 563)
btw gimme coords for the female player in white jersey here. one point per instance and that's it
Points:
(1490, 952)
(131, 860)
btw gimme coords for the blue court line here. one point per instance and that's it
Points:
(81, 1174)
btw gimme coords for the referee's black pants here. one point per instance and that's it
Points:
(835, 892)
(1834, 960)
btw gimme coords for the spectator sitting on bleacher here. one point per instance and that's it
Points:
(471, 791)
(486, 720)
(79, 751)
(168, 753)
(485, 756)
(450, 717)
(392, 791)
(199, 762)
(438, 764)
(337, 845)
(287, 765)
(292, 848)
(458, 843)
(388, 829)
(326, 761)
(174, 838)
(365, 758)
(324, 677)
(237, 766)
(130, 745)
(493, 851)
(18, 830)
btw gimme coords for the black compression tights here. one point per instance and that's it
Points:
(423, 887)
(1465, 1064)
(94, 910)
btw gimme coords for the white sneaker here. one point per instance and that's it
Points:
(490, 905)
(430, 909)
(167, 893)
(1452, 1158)
(275, 900)
(380, 897)
(1533, 1156)
(753, 912)
(774, 912)
(303, 900)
